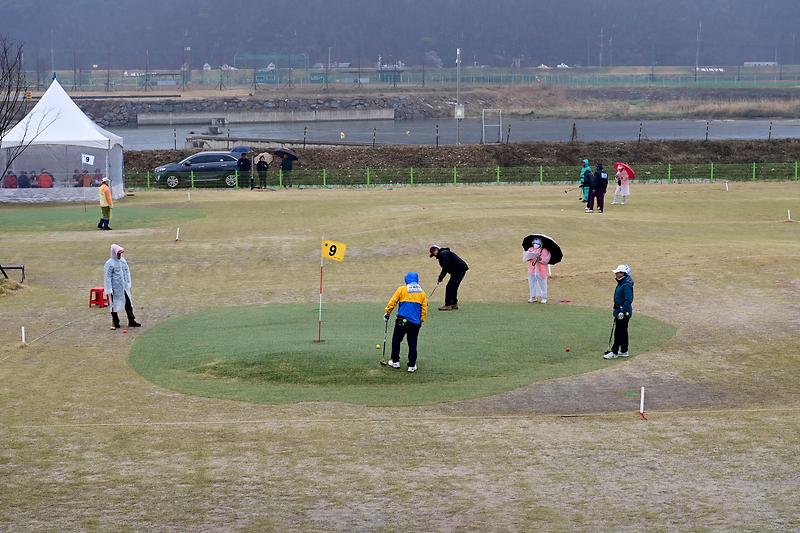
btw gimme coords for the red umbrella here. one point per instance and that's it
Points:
(624, 167)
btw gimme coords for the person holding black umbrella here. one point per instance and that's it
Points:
(456, 267)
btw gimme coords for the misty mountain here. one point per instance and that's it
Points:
(491, 32)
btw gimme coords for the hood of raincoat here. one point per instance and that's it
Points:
(586, 163)
(115, 249)
(412, 277)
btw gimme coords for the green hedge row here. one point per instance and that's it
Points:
(662, 172)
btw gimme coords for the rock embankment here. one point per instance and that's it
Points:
(116, 113)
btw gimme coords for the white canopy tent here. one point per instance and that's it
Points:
(60, 140)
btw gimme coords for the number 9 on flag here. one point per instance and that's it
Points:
(333, 250)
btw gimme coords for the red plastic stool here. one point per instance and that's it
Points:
(98, 297)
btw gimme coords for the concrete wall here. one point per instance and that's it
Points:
(239, 117)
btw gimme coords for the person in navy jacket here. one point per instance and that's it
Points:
(623, 310)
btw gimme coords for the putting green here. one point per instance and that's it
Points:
(75, 218)
(268, 354)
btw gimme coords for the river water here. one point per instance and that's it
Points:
(472, 131)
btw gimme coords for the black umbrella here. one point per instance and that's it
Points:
(288, 152)
(556, 255)
(242, 150)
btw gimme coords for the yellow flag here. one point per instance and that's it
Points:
(333, 250)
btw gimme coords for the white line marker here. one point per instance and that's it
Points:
(178, 234)
(23, 335)
(642, 413)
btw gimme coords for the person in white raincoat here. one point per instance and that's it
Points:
(117, 284)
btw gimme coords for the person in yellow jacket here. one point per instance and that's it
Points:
(411, 314)
(106, 203)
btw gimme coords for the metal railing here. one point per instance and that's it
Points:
(416, 176)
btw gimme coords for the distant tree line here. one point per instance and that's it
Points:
(166, 34)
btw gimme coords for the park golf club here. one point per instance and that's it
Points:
(434, 289)
(382, 360)
(611, 336)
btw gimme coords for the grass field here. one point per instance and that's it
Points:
(270, 354)
(87, 443)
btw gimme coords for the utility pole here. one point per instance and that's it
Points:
(611, 49)
(108, 72)
(74, 70)
(602, 43)
(328, 68)
(697, 50)
(459, 112)
(146, 68)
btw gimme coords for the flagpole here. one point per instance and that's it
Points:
(319, 321)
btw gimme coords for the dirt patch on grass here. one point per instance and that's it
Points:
(8, 287)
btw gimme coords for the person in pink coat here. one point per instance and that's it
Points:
(623, 189)
(537, 258)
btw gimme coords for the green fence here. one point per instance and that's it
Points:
(413, 176)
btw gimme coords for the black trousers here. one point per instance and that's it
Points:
(405, 328)
(451, 290)
(621, 336)
(128, 311)
(262, 180)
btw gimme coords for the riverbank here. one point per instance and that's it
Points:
(515, 154)
(534, 101)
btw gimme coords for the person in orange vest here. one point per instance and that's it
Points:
(106, 203)
(84, 179)
(45, 180)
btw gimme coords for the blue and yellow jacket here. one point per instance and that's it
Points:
(413, 302)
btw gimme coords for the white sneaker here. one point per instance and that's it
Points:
(412, 368)
(610, 355)
(531, 300)
(624, 354)
(393, 364)
(543, 300)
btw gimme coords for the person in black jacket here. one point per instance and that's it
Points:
(244, 165)
(262, 167)
(598, 184)
(456, 267)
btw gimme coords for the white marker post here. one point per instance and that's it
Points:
(178, 235)
(726, 186)
(188, 196)
(642, 413)
(23, 335)
(788, 215)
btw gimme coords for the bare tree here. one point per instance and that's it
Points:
(13, 105)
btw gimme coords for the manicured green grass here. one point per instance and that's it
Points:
(71, 218)
(268, 353)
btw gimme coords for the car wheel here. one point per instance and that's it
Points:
(172, 181)
(230, 180)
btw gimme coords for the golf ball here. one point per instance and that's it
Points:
(377, 346)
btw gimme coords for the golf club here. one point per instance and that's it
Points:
(434, 289)
(382, 360)
(567, 191)
(611, 336)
